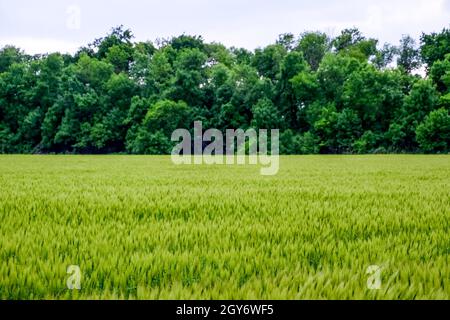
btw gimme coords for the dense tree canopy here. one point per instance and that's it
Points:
(343, 95)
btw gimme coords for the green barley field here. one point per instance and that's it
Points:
(142, 228)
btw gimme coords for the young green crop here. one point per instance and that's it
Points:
(142, 228)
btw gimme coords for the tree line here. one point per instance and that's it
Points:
(347, 94)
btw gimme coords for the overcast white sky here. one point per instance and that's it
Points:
(64, 25)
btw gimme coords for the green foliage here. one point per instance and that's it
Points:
(422, 99)
(8, 56)
(433, 134)
(440, 73)
(285, 91)
(168, 116)
(435, 46)
(313, 46)
(147, 142)
(376, 96)
(265, 115)
(341, 95)
(161, 119)
(409, 55)
(119, 56)
(308, 144)
(291, 143)
(385, 56)
(93, 72)
(332, 75)
(287, 41)
(348, 129)
(288, 142)
(352, 43)
(187, 42)
(268, 61)
(366, 144)
(347, 39)
(189, 77)
(118, 37)
(6, 140)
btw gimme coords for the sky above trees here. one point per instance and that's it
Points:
(48, 25)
